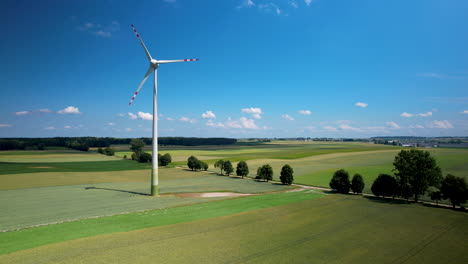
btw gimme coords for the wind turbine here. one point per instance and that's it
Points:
(153, 67)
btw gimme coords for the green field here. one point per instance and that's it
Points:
(331, 229)
(80, 207)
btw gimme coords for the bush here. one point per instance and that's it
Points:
(134, 156)
(165, 159)
(340, 181)
(357, 183)
(384, 185)
(265, 172)
(204, 165)
(109, 151)
(145, 157)
(100, 150)
(287, 175)
(125, 157)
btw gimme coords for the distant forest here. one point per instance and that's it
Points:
(84, 143)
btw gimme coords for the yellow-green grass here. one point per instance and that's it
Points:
(274, 150)
(332, 229)
(40, 156)
(43, 205)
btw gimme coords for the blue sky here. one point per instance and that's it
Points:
(277, 68)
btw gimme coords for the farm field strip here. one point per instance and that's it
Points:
(34, 206)
(332, 229)
(27, 238)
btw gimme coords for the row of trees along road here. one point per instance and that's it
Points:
(136, 146)
(264, 172)
(416, 174)
(340, 182)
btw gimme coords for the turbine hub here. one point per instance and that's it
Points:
(154, 63)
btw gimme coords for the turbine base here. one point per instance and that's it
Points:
(154, 190)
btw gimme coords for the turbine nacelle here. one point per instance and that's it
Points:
(154, 63)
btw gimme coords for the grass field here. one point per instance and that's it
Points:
(331, 229)
(72, 188)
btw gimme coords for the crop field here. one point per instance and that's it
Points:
(79, 207)
(318, 229)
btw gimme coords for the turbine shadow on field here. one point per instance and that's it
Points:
(116, 190)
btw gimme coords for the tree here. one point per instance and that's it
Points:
(165, 159)
(220, 164)
(384, 185)
(199, 165)
(242, 169)
(100, 151)
(145, 157)
(417, 169)
(136, 145)
(204, 165)
(357, 183)
(436, 196)
(265, 172)
(286, 175)
(109, 151)
(455, 189)
(340, 181)
(192, 162)
(228, 169)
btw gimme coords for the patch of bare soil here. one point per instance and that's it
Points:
(211, 194)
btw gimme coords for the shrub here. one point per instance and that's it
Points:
(145, 157)
(455, 189)
(340, 181)
(125, 157)
(357, 183)
(100, 150)
(109, 151)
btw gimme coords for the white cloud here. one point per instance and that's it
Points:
(242, 123)
(304, 112)
(132, 116)
(308, 2)
(129, 129)
(104, 34)
(294, 4)
(445, 124)
(100, 31)
(50, 128)
(363, 105)
(121, 114)
(288, 117)
(406, 114)
(416, 126)
(425, 114)
(67, 127)
(188, 120)
(246, 3)
(70, 110)
(5, 125)
(270, 7)
(348, 127)
(393, 125)
(255, 111)
(170, 118)
(22, 113)
(330, 128)
(465, 112)
(111, 124)
(145, 116)
(208, 115)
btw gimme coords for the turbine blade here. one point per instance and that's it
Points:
(142, 44)
(171, 61)
(150, 70)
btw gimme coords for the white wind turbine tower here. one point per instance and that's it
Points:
(153, 67)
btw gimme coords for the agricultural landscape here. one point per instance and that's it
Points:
(96, 208)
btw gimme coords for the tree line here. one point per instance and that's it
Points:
(416, 173)
(136, 146)
(225, 167)
(84, 143)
